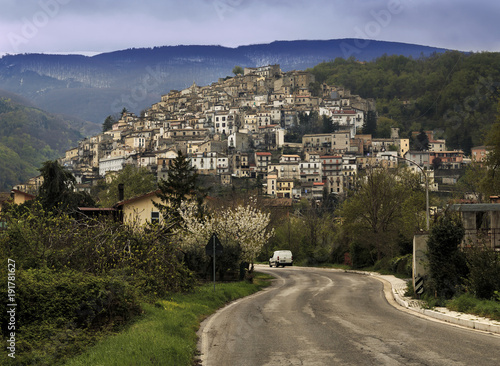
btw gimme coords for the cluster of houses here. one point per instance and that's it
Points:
(237, 128)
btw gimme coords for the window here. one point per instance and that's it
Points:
(155, 217)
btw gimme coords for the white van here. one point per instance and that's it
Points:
(281, 258)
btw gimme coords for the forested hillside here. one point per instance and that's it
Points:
(95, 87)
(28, 137)
(453, 93)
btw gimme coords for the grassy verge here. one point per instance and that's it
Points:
(166, 333)
(467, 303)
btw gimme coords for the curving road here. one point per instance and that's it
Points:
(325, 317)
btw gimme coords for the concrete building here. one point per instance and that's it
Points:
(481, 223)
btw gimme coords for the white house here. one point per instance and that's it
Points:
(114, 163)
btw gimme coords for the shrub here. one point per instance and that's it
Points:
(360, 255)
(402, 265)
(59, 312)
(447, 266)
(484, 271)
(145, 256)
(227, 264)
(84, 300)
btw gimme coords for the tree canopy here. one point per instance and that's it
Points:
(482, 179)
(108, 123)
(136, 181)
(57, 192)
(385, 207)
(237, 70)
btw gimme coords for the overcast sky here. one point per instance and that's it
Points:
(96, 26)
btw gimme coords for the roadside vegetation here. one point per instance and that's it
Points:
(467, 303)
(461, 279)
(165, 334)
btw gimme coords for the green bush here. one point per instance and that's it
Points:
(484, 271)
(360, 255)
(60, 312)
(227, 264)
(402, 265)
(410, 290)
(146, 256)
(82, 299)
(447, 265)
(318, 255)
(77, 279)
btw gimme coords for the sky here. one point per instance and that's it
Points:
(96, 26)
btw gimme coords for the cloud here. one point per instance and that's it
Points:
(104, 25)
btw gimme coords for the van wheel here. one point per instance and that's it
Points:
(270, 265)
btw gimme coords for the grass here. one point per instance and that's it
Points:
(467, 303)
(166, 333)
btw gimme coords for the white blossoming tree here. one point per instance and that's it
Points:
(193, 231)
(245, 225)
(249, 227)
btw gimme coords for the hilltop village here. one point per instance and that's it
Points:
(246, 127)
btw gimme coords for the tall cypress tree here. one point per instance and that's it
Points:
(370, 125)
(57, 190)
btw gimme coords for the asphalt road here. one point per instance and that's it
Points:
(323, 317)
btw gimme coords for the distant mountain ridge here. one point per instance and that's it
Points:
(92, 88)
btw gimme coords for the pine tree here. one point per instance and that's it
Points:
(180, 186)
